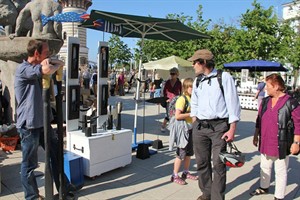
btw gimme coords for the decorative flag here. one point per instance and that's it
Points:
(85, 16)
(107, 26)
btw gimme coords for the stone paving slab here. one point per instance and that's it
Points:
(150, 178)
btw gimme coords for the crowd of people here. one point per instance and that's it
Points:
(118, 81)
(214, 111)
(208, 109)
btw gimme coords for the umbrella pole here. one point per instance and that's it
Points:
(137, 96)
(158, 112)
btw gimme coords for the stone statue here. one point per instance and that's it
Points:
(33, 10)
(9, 11)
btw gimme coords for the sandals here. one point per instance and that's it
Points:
(178, 180)
(188, 175)
(259, 191)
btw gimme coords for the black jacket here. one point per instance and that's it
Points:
(285, 125)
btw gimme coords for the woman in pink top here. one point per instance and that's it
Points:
(278, 135)
(121, 81)
(172, 88)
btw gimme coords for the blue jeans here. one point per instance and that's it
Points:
(30, 141)
(157, 93)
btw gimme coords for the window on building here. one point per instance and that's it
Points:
(65, 36)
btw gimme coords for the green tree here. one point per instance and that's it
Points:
(222, 44)
(258, 34)
(119, 52)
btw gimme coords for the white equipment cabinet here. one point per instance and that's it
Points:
(103, 151)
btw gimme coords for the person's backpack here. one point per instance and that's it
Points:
(94, 77)
(172, 105)
(113, 79)
(218, 76)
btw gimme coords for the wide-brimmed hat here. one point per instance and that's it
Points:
(261, 78)
(203, 54)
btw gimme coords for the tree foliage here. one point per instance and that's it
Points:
(119, 52)
(259, 34)
(260, 28)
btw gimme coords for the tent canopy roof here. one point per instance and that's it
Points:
(167, 63)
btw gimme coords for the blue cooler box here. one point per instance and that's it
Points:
(73, 166)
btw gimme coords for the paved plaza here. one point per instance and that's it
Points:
(150, 178)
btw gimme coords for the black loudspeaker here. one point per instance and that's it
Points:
(74, 102)
(143, 151)
(104, 61)
(103, 99)
(157, 144)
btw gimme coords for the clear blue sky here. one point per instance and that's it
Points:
(227, 10)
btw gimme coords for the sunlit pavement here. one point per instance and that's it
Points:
(150, 178)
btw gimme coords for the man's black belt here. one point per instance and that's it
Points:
(210, 123)
(213, 120)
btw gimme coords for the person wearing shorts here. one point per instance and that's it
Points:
(184, 141)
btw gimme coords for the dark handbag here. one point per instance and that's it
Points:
(163, 104)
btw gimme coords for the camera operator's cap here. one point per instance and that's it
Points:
(203, 54)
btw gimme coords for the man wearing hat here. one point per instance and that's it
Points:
(215, 114)
(260, 94)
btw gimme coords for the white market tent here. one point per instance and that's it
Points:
(163, 66)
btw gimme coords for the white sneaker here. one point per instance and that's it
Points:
(163, 129)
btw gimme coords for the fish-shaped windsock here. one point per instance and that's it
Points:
(65, 17)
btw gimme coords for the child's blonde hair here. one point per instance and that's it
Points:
(188, 82)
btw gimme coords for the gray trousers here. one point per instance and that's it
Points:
(207, 146)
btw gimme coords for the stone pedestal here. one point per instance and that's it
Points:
(12, 53)
(16, 49)
(7, 77)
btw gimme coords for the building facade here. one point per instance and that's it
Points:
(292, 11)
(72, 29)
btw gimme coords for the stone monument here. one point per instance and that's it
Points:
(14, 45)
(9, 11)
